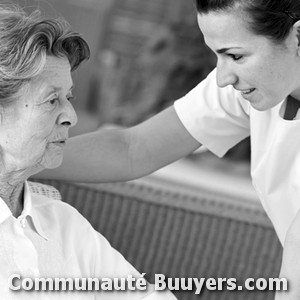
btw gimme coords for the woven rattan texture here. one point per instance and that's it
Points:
(158, 238)
(45, 190)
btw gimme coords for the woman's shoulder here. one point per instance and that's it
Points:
(56, 216)
(47, 202)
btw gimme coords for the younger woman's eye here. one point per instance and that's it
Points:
(235, 57)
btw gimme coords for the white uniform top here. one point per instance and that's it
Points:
(219, 118)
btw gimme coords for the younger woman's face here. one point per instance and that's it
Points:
(263, 72)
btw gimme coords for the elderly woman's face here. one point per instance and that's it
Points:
(263, 72)
(34, 128)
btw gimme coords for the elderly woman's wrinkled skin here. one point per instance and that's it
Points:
(34, 129)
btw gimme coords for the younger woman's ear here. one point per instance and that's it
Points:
(296, 27)
(295, 37)
(298, 36)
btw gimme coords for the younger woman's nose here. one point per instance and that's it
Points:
(225, 75)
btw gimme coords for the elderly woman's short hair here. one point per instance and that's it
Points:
(25, 42)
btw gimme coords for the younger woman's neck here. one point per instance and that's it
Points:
(295, 95)
(291, 109)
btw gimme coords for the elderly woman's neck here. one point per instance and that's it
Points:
(12, 195)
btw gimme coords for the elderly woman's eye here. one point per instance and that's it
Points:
(70, 98)
(53, 101)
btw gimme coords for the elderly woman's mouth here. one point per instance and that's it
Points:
(60, 142)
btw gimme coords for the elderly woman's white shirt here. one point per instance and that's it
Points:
(51, 239)
(219, 118)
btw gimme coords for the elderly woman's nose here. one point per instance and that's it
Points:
(68, 116)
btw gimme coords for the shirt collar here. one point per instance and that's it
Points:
(4, 211)
(28, 210)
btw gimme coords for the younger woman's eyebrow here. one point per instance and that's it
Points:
(223, 50)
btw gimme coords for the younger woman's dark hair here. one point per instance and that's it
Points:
(270, 18)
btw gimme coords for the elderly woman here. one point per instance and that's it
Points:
(41, 237)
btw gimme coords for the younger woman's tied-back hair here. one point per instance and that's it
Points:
(25, 42)
(270, 18)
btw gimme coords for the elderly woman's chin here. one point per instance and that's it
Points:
(52, 160)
